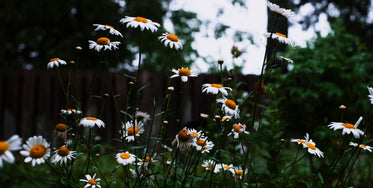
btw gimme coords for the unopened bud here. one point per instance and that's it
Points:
(78, 48)
(220, 61)
(171, 88)
(342, 107)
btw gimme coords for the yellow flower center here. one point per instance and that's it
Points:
(348, 125)
(216, 85)
(301, 141)
(239, 173)
(226, 167)
(140, 19)
(208, 166)
(362, 145)
(201, 142)
(38, 151)
(63, 151)
(125, 156)
(61, 127)
(91, 118)
(237, 128)
(54, 59)
(281, 35)
(313, 147)
(172, 37)
(92, 182)
(147, 159)
(224, 118)
(231, 104)
(109, 26)
(103, 41)
(3, 147)
(183, 135)
(184, 72)
(132, 131)
(195, 134)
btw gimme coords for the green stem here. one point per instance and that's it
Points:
(61, 175)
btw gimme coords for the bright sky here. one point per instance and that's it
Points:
(252, 19)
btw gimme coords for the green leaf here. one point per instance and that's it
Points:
(320, 177)
(141, 88)
(125, 113)
(129, 76)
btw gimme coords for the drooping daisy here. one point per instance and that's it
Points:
(281, 38)
(184, 73)
(62, 155)
(171, 40)
(370, 89)
(91, 181)
(362, 146)
(142, 116)
(36, 150)
(237, 130)
(290, 15)
(348, 128)
(12, 144)
(70, 111)
(215, 89)
(229, 107)
(211, 165)
(125, 158)
(184, 139)
(60, 131)
(284, 58)
(91, 122)
(141, 22)
(132, 130)
(203, 145)
(103, 42)
(111, 29)
(311, 146)
(238, 173)
(55, 62)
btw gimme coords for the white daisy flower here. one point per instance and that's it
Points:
(125, 158)
(284, 58)
(184, 139)
(70, 111)
(111, 29)
(226, 167)
(195, 133)
(91, 122)
(229, 107)
(348, 128)
(141, 22)
(311, 146)
(147, 160)
(215, 89)
(281, 38)
(300, 141)
(210, 165)
(103, 42)
(142, 116)
(362, 146)
(12, 144)
(91, 181)
(132, 130)
(238, 173)
(62, 155)
(289, 14)
(184, 73)
(55, 62)
(171, 40)
(36, 150)
(203, 145)
(237, 130)
(370, 94)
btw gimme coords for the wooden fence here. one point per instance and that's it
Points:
(30, 101)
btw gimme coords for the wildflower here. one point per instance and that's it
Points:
(362, 146)
(12, 144)
(132, 130)
(236, 52)
(284, 12)
(91, 181)
(142, 116)
(370, 89)
(226, 167)
(70, 111)
(226, 118)
(141, 22)
(280, 37)
(348, 128)
(147, 160)
(237, 129)
(211, 165)
(171, 40)
(107, 27)
(184, 139)
(184, 73)
(195, 133)
(103, 42)
(36, 150)
(308, 143)
(60, 131)
(238, 173)
(125, 158)
(284, 58)
(229, 107)
(203, 145)
(55, 62)
(62, 155)
(91, 122)
(215, 89)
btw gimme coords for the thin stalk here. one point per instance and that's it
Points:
(60, 174)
